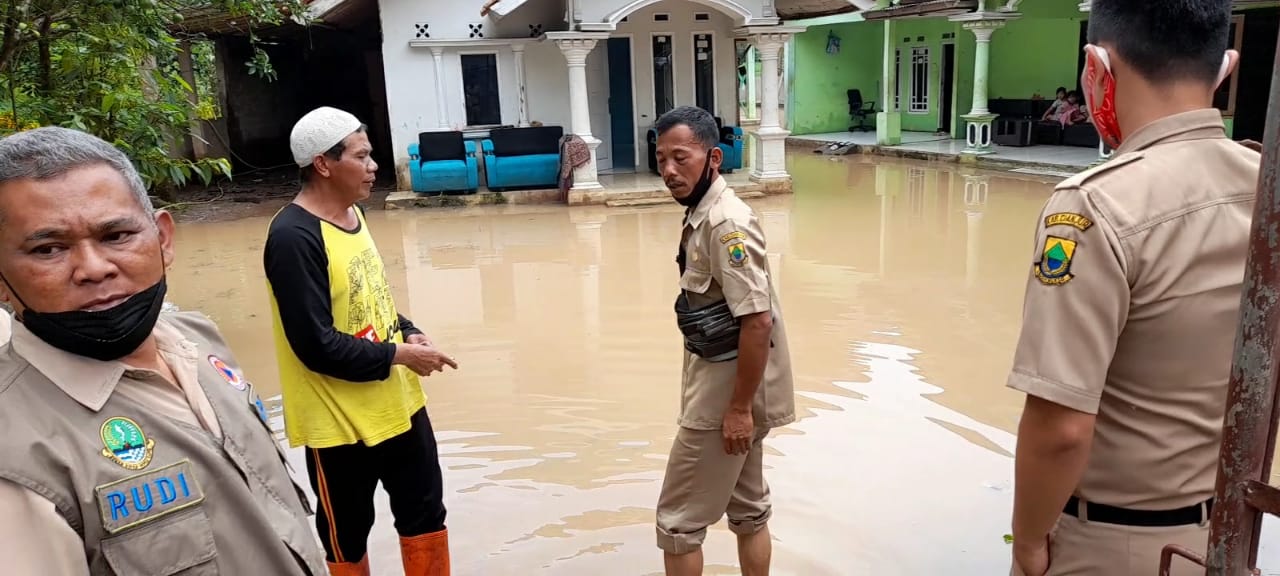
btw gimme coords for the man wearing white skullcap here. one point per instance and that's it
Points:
(349, 362)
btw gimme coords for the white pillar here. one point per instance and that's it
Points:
(518, 49)
(576, 47)
(442, 110)
(770, 46)
(751, 84)
(771, 159)
(979, 132)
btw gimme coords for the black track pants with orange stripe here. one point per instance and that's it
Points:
(344, 479)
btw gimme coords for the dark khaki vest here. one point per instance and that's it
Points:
(151, 495)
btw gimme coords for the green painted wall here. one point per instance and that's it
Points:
(1049, 8)
(821, 80)
(1036, 53)
(1032, 55)
(926, 32)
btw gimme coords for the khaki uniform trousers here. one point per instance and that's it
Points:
(1082, 548)
(703, 483)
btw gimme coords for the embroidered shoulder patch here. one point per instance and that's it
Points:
(737, 254)
(1068, 219)
(228, 373)
(147, 497)
(732, 236)
(126, 444)
(1054, 268)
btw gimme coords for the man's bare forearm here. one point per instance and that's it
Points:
(1053, 450)
(754, 333)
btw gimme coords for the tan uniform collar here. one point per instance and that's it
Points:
(1194, 125)
(86, 380)
(703, 208)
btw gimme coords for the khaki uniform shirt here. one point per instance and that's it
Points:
(35, 538)
(726, 260)
(1132, 306)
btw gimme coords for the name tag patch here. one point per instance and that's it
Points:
(150, 496)
(1068, 219)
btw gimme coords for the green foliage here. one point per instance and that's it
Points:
(110, 67)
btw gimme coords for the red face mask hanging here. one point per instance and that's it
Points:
(1102, 107)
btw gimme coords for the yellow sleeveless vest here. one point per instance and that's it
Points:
(321, 411)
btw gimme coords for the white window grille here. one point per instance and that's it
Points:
(919, 80)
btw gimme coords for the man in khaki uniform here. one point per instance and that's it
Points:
(130, 441)
(737, 370)
(1132, 304)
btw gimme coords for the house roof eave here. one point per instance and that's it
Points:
(924, 9)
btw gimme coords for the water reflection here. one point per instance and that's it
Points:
(902, 284)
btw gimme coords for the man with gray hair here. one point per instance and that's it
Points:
(130, 441)
(737, 369)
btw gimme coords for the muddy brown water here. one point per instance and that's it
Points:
(901, 284)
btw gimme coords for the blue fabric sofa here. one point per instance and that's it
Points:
(443, 162)
(731, 146)
(523, 157)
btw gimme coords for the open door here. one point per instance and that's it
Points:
(622, 121)
(947, 114)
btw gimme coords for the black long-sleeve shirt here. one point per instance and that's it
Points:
(297, 267)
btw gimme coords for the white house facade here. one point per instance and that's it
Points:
(601, 69)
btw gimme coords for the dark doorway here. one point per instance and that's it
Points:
(1084, 40)
(621, 107)
(480, 89)
(704, 72)
(664, 94)
(1257, 57)
(948, 87)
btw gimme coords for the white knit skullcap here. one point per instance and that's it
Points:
(318, 131)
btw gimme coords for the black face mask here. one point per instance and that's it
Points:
(700, 189)
(105, 335)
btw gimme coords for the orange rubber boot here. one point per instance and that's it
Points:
(426, 555)
(360, 568)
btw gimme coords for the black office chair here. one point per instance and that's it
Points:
(860, 112)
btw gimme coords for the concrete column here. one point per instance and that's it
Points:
(576, 47)
(518, 50)
(978, 131)
(195, 148)
(889, 120)
(442, 109)
(771, 153)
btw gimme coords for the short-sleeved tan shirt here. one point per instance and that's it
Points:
(726, 259)
(34, 537)
(1132, 307)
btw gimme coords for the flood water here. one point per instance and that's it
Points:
(902, 295)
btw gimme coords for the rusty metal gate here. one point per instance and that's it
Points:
(1249, 431)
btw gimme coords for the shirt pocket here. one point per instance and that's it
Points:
(695, 280)
(180, 545)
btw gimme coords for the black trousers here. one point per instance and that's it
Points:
(344, 479)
